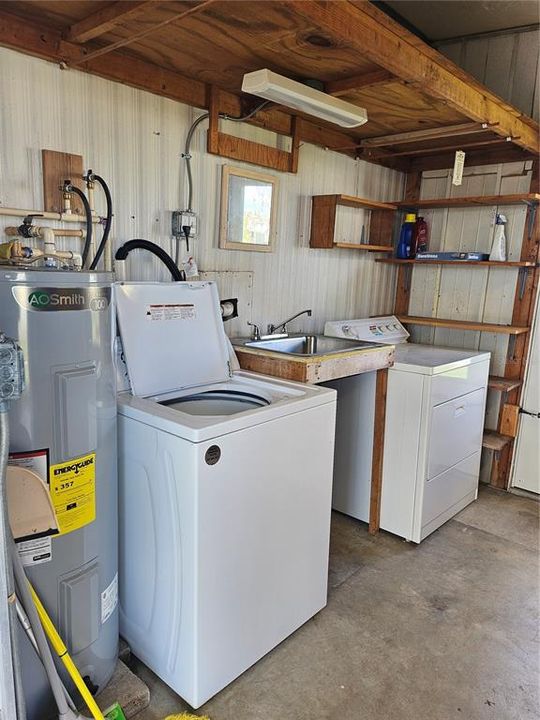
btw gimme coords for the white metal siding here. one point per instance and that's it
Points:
(134, 140)
(506, 63)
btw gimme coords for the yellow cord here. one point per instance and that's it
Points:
(62, 652)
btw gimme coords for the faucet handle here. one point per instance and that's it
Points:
(256, 332)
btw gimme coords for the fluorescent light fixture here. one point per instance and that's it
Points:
(279, 89)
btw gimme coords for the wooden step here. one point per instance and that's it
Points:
(495, 441)
(502, 384)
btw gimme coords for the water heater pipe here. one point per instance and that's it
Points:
(13, 231)
(19, 254)
(17, 212)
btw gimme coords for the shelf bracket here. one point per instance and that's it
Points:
(533, 207)
(523, 275)
(407, 278)
(511, 347)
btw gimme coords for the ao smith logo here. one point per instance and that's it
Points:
(41, 299)
(75, 467)
(55, 298)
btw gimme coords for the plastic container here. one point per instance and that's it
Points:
(406, 237)
(498, 248)
(422, 236)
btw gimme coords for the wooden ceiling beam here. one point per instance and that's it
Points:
(436, 150)
(47, 44)
(428, 134)
(387, 44)
(106, 49)
(502, 154)
(105, 19)
(358, 82)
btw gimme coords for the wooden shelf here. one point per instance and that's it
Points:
(470, 201)
(495, 441)
(365, 246)
(458, 263)
(357, 202)
(323, 222)
(502, 384)
(463, 325)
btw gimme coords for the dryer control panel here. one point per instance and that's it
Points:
(385, 329)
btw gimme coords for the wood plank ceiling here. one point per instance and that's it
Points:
(421, 107)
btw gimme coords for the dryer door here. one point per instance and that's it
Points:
(456, 431)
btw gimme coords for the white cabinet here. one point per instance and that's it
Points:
(439, 408)
(434, 422)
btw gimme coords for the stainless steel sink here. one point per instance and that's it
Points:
(311, 345)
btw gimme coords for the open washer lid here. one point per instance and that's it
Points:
(172, 335)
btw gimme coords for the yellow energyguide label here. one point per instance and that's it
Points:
(73, 492)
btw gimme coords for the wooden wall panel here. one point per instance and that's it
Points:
(57, 167)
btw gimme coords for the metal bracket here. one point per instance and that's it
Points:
(532, 205)
(511, 347)
(528, 412)
(407, 279)
(523, 274)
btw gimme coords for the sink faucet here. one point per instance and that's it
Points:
(255, 333)
(272, 329)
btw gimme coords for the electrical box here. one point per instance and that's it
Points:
(11, 369)
(182, 219)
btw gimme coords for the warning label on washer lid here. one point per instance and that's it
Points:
(35, 552)
(174, 311)
(73, 492)
(109, 599)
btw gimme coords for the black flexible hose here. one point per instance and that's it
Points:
(88, 212)
(166, 259)
(108, 222)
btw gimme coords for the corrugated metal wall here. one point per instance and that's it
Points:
(507, 63)
(134, 140)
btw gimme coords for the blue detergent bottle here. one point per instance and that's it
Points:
(406, 236)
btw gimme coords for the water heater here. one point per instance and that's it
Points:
(64, 430)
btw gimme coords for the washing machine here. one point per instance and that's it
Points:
(225, 494)
(434, 424)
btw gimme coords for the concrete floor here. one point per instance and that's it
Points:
(448, 629)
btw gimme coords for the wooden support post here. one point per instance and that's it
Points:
(295, 144)
(378, 451)
(404, 275)
(524, 306)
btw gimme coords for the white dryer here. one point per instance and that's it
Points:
(433, 437)
(225, 494)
